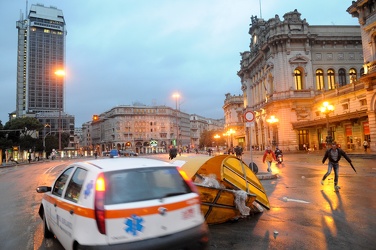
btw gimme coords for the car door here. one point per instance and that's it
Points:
(55, 201)
(66, 210)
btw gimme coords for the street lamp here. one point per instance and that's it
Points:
(326, 108)
(60, 73)
(44, 138)
(216, 137)
(273, 123)
(176, 96)
(230, 133)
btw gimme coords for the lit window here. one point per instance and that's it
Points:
(352, 74)
(298, 79)
(319, 79)
(331, 79)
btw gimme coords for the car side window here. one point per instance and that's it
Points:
(60, 182)
(75, 185)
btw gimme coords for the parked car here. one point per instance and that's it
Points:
(114, 153)
(125, 203)
(128, 153)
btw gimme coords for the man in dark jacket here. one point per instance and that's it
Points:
(334, 155)
(173, 152)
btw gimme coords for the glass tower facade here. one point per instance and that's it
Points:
(41, 52)
(40, 55)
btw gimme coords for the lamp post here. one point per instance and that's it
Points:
(326, 108)
(44, 138)
(273, 123)
(230, 132)
(216, 137)
(176, 96)
(60, 74)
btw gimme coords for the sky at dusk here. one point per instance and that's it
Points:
(122, 52)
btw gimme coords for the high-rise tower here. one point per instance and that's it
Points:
(41, 52)
(40, 55)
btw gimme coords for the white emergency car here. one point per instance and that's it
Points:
(123, 203)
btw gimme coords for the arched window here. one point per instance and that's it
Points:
(342, 77)
(331, 79)
(319, 79)
(298, 79)
(352, 75)
(361, 71)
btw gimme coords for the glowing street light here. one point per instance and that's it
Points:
(216, 137)
(273, 123)
(60, 73)
(326, 108)
(230, 132)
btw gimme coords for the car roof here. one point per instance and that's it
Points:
(111, 164)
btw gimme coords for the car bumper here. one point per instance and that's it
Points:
(194, 238)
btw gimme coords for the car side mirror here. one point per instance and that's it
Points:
(43, 189)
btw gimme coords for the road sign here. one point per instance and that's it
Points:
(249, 116)
(249, 124)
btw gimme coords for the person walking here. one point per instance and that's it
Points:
(238, 151)
(365, 145)
(334, 155)
(269, 156)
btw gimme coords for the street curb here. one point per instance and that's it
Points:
(266, 176)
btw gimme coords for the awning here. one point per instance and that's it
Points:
(332, 119)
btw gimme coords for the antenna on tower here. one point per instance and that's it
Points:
(260, 9)
(26, 9)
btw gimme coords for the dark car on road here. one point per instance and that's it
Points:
(128, 153)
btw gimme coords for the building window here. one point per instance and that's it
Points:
(361, 71)
(342, 77)
(331, 79)
(298, 79)
(363, 102)
(319, 79)
(352, 75)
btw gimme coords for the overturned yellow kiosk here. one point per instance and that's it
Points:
(227, 186)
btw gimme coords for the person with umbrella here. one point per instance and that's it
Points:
(334, 155)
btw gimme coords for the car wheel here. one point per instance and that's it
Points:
(46, 232)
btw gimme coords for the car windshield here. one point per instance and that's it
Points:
(143, 184)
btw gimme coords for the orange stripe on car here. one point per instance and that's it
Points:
(113, 214)
(120, 213)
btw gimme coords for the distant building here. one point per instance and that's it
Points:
(198, 124)
(292, 68)
(234, 123)
(40, 56)
(144, 129)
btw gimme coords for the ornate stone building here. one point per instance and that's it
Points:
(292, 68)
(365, 11)
(234, 123)
(144, 129)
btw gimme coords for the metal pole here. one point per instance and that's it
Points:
(250, 146)
(329, 137)
(177, 126)
(59, 127)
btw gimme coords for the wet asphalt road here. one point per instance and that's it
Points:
(303, 214)
(306, 215)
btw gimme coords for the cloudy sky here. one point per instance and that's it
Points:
(121, 52)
